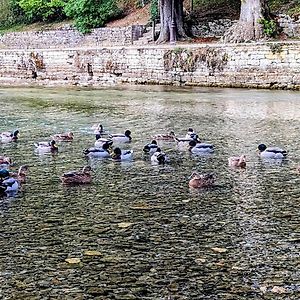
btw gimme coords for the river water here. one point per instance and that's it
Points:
(138, 231)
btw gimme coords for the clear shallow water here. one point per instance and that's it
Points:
(156, 237)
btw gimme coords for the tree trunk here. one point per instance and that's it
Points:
(166, 17)
(248, 27)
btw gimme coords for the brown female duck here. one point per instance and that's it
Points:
(75, 177)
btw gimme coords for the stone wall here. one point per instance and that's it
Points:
(265, 65)
(290, 26)
(69, 37)
(215, 28)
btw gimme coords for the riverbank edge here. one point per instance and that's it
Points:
(267, 65)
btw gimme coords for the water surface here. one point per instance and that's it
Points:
(155, 237)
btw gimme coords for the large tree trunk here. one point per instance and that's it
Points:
(248, 27)
(166, 17)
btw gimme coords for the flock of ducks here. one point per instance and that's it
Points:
(103, 148)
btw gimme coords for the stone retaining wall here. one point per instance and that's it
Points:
(68, 37)
(265, 65)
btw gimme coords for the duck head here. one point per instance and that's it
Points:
(4, 173)
(128, 133)
(14, 135)
(261, 147)
(53, 146)
(86, 169)
(117, 153)
(192, 144)
(160, 157)
(154, 142)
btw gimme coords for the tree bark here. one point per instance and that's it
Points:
(248, 28)
(166, 16)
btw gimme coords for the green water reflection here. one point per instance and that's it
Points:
(156, 237)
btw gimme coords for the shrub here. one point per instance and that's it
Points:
(42, 10)
(89, 14)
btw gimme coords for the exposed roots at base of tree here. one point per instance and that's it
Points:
(243, 32)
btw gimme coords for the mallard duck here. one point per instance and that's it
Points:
(7, 137)
(151, 147)
(4, 173)
(9, 185)
(64, 137)
(183, 143)
(120, 155)
(21, 174)
(191, 134)
(271, 152)
(102, 152)
(238, 162)
(200, 148)
(100, 141)
(201, 180)
(5, 162)
(46, 147)
(121, 138)
(11, 182)
(75, 177)
(98, 129)
(159, 157)
(165, 137)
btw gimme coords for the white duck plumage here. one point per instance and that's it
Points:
(9, 185)
(98, 152)
(151, 147)
(98, 129)
(200, 148)
(121, 155)
(121, 138)
(7, 137)
(100, 141)
(159, 157)
(5, 162)
(46, 147)
(271, 152)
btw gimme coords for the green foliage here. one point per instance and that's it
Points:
(42, 10)
(269, 27)
(154, 12)
(91, 13)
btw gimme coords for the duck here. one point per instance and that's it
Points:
(100, 141)
(201, 180)
(185, 140)
(200, 148)
(21, 174)
(98, 129)
(4, 173)
(46, 147)
(151, 147)
(271, 152)
(77, 177)
(159, 157)
(237, 161)
(11, 182)
(63, 137)
(121, 138)
(121, 155)
(9, 185)
(5, 162)
(191, 134)
(165, 137)
(101, 152)
(7, 137)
